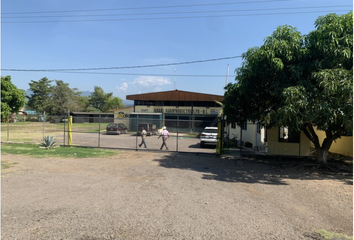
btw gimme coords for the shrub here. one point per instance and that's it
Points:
(48, 142)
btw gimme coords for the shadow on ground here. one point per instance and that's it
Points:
(258, 169)
(197, 145)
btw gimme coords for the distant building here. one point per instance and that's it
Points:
(92, 117)
(193, 111)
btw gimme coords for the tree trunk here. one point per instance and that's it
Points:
(323, 151)
(322, 155)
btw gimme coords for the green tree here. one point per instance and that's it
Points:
(83, 104)
(101, 101)
(65, 99)
(299, 81)
(12, 98)
(40, 100)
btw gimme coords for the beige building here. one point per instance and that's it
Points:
(343, 145)
(281, 142)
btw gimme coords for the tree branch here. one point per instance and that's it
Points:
(308, 135)
(316, 142)
(337, 135)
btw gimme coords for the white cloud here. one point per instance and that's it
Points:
(122, 88)
(157, 89)
(151, 82)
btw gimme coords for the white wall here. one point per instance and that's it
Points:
(249, 135)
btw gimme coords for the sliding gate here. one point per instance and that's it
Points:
(184, 134)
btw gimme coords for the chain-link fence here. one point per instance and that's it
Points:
(109, 132)
(32, 128)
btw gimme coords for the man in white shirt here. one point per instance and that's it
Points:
(143, 137)
(165, 135)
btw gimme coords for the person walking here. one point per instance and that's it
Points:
(143, 137)
(165, 135)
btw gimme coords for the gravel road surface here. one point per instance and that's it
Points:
(151, 195)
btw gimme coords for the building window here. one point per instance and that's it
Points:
(244, 126)
(233, 125)
(259, 127)
(287, 135)
(174, 103)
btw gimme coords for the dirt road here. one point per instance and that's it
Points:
(147, 195)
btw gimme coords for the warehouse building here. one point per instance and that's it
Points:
(174, 109)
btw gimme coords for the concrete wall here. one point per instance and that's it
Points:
(343, 145)
(284, 148)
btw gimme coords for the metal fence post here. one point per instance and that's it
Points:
(136, 139)
(177, 133)
(64, 130)
(218, 143)
(99, 131)
(241, 141)
(8, 128)
(70, 126)
(222, 136)
(43, 126)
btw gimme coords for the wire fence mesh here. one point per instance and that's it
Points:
(98, 132)
(32, 129)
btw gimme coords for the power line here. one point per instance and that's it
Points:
(126, 67)
(150, 74)
(193, 12)
(186, 17)
(153, 7)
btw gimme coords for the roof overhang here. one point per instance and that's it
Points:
(175, 95)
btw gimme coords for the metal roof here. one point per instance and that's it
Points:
(175, 95)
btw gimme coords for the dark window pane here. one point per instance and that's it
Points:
(287, 135)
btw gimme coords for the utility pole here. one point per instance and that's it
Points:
(227, 74)
(174, 80)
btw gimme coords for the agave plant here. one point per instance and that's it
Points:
(48, 142)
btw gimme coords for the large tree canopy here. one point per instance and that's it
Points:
(102, 102)
(54, 100)
(12, 98)
(61, 99)
(299, 81)
(65, 99)
(40, 99)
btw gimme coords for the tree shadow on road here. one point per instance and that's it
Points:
(252, 170)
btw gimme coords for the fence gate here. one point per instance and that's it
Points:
(124, 133)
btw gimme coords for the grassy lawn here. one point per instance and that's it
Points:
(33, 150)
(89, 127)
(6, 165)
(32, 132)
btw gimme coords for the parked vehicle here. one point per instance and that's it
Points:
(116, 128)
(123, 128)
(208, 136)
(149, 128)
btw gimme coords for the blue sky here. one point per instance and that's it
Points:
(98, 44)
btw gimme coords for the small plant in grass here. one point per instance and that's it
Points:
(48, 142)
